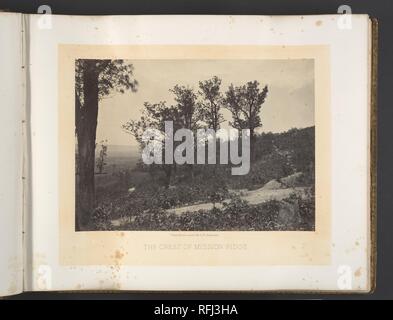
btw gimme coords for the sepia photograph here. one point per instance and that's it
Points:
(194, 145)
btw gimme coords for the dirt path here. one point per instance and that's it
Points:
(253, 197)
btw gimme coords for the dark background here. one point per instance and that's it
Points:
(380, 9)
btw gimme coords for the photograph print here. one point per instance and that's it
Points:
(194, 145)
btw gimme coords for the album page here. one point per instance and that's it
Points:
(200, 153)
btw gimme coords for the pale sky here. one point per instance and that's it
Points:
(289, 104)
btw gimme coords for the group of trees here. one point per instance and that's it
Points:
(202, 109)
(96, 79)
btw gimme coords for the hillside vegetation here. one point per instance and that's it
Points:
(276, 194)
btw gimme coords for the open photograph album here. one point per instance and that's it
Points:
(187, 153)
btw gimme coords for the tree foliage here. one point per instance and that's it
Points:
(211, 102)
(153, 117)
(245, 103)
(186, 100)
(112, 75)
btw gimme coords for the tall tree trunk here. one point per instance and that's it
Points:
(86, 135)
(252, 144)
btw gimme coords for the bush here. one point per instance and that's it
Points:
(236, 215)
(101, 219)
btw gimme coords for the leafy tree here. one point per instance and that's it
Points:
(154, 117)
(189, 114)
(183, 114)
(94, 80)
(245, 103)
(187, 106)
(100, 162)
(211, 103)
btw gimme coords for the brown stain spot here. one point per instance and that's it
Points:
(358, 272)
(318, 23)
(119, 255)
(122, 234)
(302, 17)
(357, 243)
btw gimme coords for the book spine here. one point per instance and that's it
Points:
(26, 152)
